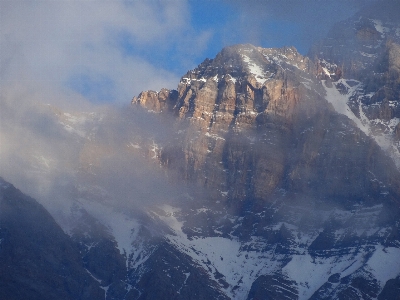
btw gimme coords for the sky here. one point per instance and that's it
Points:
(107, 51)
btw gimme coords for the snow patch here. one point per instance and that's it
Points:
(184, 283)
(186, 80)
(155, 149)
(214, 136)
(75, 123)
(383, 139)
(122, 227)
(339, 103)
(73, 130)
(222, 255)
(255, 69)
(75, 119)
(170, 219)
(135, 146)
(384, 264)
(379, 27)
(367, 54)
(312, 272)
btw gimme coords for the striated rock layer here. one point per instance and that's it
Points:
(253, 121)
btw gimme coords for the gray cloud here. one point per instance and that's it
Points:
(50, 52)
(60, 157)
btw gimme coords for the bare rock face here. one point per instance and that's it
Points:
(156, 102)
(397, 132)
(273, 287)
(253, 121)
(226, 102)
(169, 274)
(290, 193)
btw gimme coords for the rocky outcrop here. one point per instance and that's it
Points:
(273, 287)
(397, 132)
(223, 100)
(170, 274)
(360, 284)
(391, 291)
(156, 101)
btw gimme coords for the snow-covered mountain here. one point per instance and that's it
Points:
(265, 175)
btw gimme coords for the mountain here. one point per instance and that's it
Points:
(37, 259)
(265, 175)
(293, 183)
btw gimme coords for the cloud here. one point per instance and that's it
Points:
(60, 157)
(69, 54)
(73, 45)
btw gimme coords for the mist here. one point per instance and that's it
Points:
(101, 154)
(68, 70)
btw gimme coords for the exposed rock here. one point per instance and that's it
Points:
(255, 129)
(273, 287)
(397, 132)
(291, 193)
(391, 291)
(170, 274)
(360, 285)
(104, 261)
(156, 102)
(244, 137)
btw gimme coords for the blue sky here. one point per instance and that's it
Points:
(107, 51)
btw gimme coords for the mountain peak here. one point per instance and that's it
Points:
(244, 60)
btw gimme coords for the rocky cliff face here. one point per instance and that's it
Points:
(253, 121)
